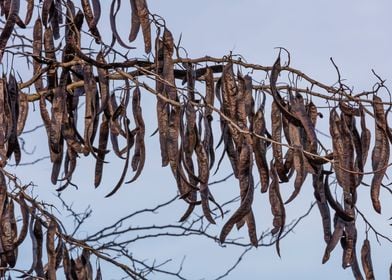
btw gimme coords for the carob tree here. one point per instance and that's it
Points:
(280, 144)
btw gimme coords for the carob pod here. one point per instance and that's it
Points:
(366, 259)
(380, 153)
(9, 25)
(277, 206)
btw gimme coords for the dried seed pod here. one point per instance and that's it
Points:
(103, 82)
(23, 112)
(24, 209)
(3, 121)
(367, 260)
(90, 117)
(3, 192)
(162, 107)
(143, 13)
(91, 20)
(338, 142)
(103, 141)
(229, 98)
(276, 68)
(276, 124)
(13, 103)
(260, 149)
(139, 155)
(37, 230)
(347, 109)
(135, 22)
(50, 248)
(9, 233)
(299, 111)
(37, 48)
(29, 12)
(129, 136)
(319, 194)
(365, 136)
(339, 211)
(277, 206)
(83, 268)
(298, 160)
(113, 15)
(203, 167)
(47, 6)
(67, 263)
(50, 54)
(335, 238)
(350, 240)
(246, 187)
(208, 140)
(9, 25)
(96, 11)
(380, 153)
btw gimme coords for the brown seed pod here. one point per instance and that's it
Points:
(143, 13)
(9, 25)
(208, 140)
(24, 209)
(13, 103)
(276, 68)
(276, 124)
(23, 112)
(37, 48)
(82, 265)
(319, 194)
(365, 136)
(113, 15)
(335, 238)
(9, 233)
(350, 240)
(162, 107)
(338, 143)
(299, 111)
(103, 142)
(380, 153)
(298, 160)
(139, 155)
(246, 187)
(90, 117)
(91, 20)
(47, 6)
(277, 206)
(3, 121)
(135, 22)
(203, 167)
(50, 248)
(367, 260)
(347, 109)
(103, 82)
(260, 149)
(339, 211)
(50, 54)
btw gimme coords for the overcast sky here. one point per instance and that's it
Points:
(356, 34)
